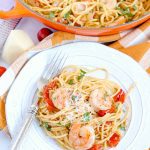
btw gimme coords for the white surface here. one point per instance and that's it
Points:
(122, 69)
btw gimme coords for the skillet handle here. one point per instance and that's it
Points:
(17, 12)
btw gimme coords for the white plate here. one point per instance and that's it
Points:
(122, 69)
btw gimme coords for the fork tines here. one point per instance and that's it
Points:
(56, 64)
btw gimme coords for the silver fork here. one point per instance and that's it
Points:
(55, 65)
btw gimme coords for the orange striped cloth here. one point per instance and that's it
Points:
(135, 43)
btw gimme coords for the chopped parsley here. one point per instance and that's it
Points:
(106, 95)
(51, 15)
(74, 97)
(125, 12)
(82, 74)
(46, 125)
(68, 125)
(100, 122)
(117, 105)
(86, 116)
(122, 127)
(70, 81)
(59, 124)
(82, 71)
(134, 7)
(54, 98)
(66, 16)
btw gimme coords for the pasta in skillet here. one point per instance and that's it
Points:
(90, 13)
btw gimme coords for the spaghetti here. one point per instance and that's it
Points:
(83, 112)
(90, 13)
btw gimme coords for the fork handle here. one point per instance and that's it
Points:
(26, 124)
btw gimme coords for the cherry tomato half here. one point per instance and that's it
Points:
(120, 96)
(2, 70)
(47, 97)
(96, 147)
(43, 33)
(114, 140)
(102, 113)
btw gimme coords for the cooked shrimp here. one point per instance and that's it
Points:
(98, 102)
(110, 4)
(120, 20)
(77, 7)
(81, 138)
(60, 97)
(80, 7)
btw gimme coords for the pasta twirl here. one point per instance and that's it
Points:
(81, 111)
